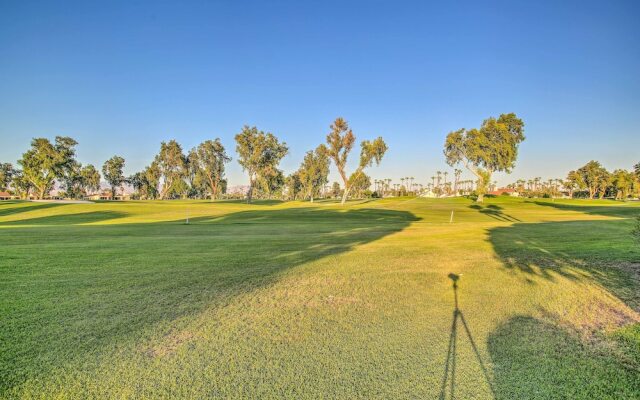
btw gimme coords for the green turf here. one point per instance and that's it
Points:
(299, 300)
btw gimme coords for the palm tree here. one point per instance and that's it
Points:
(445, 173)
(456, 174)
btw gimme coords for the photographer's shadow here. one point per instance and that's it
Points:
(449, 376)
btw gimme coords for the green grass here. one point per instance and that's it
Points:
(299, 300)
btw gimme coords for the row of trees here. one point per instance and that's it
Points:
(595, 180)
(591, 181)
(44, 164)
(310, 179)
(200, 172)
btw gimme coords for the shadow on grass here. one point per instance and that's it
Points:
(494, 211)
(601, 250)
(609, 208)
(449, 377)
(72, 291)
(534, 359)
(23, 206)
(67, 219)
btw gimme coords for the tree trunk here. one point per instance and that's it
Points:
(214, 189)
(345, 194)
(480, 198)
(250, 192)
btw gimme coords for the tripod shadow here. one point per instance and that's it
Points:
(450, 364)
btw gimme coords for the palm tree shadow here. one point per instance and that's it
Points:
(449, 375)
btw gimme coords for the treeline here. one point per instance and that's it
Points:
(593, 180)
(199, 173)
(590, 181)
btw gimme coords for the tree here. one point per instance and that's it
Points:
(272, 184)
(456, 174)
(340, 142)
(6, 175)
(314, 171)
(172, 167)
(336, 191)
(72, 181)
(207, 162)
(259, 154)
(622, 182)
(359, 182)
(593, 177)
(45, 162)
(90, 178)
(293, 186)
(146, 182)
(112, 172)
(492, 148)
(78, 180)
(20, 184)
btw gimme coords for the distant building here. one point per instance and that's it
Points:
(106, 195)
(428, 193)
(6, 196)
(238, 190)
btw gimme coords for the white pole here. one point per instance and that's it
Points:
(451, 219)
(187, 215)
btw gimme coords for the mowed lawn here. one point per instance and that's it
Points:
(314, 300)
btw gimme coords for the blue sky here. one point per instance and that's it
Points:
(121, 77)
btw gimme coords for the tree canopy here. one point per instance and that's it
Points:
(491, 148)
(6, 175)
(259, 154)
(314, 171)
(207, 165)
(171, 164)
(45, 162)
(593, 177)
(112, 172)
(359, 183)
(340, 141)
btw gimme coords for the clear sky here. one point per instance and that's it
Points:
(121, 77)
